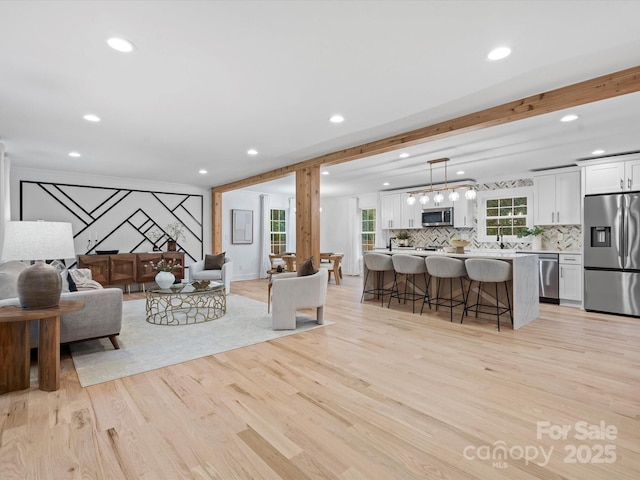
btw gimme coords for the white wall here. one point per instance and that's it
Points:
(246, 257)
(333, 225)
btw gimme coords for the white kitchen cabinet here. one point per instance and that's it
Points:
(391, 214)
(612, 177)
(411, 214)
(445, 203)
(557, 199)
(463, 212)
(570, 286)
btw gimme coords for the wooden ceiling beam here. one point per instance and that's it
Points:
(600, 88)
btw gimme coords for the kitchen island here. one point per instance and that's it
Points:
(523, 288)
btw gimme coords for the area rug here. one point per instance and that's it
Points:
(145, 346)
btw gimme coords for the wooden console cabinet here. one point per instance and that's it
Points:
(127, 268)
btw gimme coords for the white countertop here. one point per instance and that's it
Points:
(484, 252)
(504, 254)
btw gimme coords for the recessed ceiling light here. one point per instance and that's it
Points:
(74, 154)
(569, 118)
(121, 45)
(90, 117)
(252, 151)
(202, 172)
(499, 53)
(325, 172)
(597, 152)
(336, 119)
(404, 155)
(385, 184)
(460, 172)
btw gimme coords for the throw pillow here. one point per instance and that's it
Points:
(64, 276)
(72, 285)
(214, 262)
(308, 267)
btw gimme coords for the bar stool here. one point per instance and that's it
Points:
(446, 267)
(484, 270)
(378, 263)
(409, 266)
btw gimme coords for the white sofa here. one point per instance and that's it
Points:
(290, 293)
(197, 272)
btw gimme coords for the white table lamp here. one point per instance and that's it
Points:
(39, 286)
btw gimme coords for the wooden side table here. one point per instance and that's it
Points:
(15, 346)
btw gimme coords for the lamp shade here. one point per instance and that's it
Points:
(38, 241)
(39, 285)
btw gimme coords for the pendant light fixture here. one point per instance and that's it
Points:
(470, 194)
(454, 195)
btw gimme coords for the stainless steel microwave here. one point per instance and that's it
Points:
(437, 217)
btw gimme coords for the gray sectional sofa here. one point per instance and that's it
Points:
(101, 316)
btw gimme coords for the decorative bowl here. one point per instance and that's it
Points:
(459, 243)
(201, 285)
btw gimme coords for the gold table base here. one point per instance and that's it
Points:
(168, 307)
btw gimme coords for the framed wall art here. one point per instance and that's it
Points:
(241, 226)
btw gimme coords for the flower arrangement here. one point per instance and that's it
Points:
(175, 231)
(155, 235)
(165, 266)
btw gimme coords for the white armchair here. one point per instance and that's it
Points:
(291, 293)
(197, 272)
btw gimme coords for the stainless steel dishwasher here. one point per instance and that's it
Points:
(549, 277)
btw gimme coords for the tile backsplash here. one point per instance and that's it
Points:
(440, 236)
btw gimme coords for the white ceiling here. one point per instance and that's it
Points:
(210, 80)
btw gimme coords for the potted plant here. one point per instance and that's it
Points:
(403, 238)
(176, 233)
(536, 236)
(154, 236)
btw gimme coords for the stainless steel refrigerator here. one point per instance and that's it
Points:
(612, 253)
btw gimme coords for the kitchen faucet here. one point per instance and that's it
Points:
(500, 238)
(391, 239)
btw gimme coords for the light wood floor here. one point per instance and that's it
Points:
(381, 394)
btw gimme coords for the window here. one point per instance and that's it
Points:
(278, 232)
(505, 212)
(368, 229)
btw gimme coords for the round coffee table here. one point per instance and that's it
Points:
(187, 305)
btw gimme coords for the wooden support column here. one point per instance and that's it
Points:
(216, 221)
(308, 214)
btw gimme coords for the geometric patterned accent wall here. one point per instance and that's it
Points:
(121, 219)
